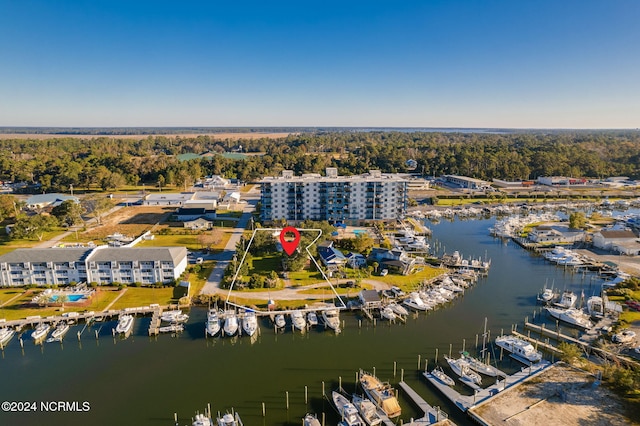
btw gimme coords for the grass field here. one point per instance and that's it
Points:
(188, 241)
(410, 282)
(144, 296)
(305, 277)
(8, 245)
(7, 294)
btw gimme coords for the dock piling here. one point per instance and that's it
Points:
(419, 361)
(287, 397)
(395, 365)
(264, 410)
(402, 374)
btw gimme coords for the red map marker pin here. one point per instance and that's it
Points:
(290, 246)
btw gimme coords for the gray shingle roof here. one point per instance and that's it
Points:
(124, 254)
(46, 255)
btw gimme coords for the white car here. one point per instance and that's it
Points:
(384, 272)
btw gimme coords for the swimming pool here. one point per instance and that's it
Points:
(70, 297)
(359, 232)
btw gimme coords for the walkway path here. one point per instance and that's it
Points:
(12, 299)
(122, 292)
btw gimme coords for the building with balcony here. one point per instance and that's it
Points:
(103, 265)
(372, 196)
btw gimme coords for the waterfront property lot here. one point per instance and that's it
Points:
(411, 281)
(8, 245)
(562, 395)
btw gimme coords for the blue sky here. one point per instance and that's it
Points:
(520, 64)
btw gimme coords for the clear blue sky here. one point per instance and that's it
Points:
(511, 63)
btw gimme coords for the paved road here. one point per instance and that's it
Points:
(212, 285)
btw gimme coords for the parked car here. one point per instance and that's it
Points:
(384, 272)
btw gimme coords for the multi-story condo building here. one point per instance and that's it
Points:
(103, 265)
(349, 199)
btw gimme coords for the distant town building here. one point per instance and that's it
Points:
(368, 197)
(555, 234)
(561, 181)
(167, 198)
(103, 265)
(466, 182)
(512, 184)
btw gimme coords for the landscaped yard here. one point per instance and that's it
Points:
(21, 309)
(145, 296)
(7, 294)
(305, 277)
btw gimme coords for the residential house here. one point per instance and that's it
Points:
(330, 256)
(356, 260)
(41, 201)
(198, 224)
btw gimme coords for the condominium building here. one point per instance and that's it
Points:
(347, 199)
(103, 265)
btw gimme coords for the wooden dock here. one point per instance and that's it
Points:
(465, 402)
(432, 415)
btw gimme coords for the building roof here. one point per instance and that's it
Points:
(618, 234)
(331, 255)
(369, 296)
(52, 198)
(191, 211)
(36, 255)
(372, 176)
(169, 196)
(124, 254)
(198, 220)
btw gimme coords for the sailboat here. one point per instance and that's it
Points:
(462, 369)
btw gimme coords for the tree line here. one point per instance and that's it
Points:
(110, 162)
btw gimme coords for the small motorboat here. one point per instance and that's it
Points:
(58, 333)
(249, 323)
(388, 314)
(213, 322)
(312, 319)
(297, 318)
(367, 409)
(439, 374)
(280, 321)
(40, 331)
(310, 420)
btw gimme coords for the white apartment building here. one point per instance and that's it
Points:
(370, 196)
(103, 265)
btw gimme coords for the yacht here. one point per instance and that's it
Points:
(573, 317)
(415, 302)
(331, 318)
(381, 394)
(230, 322)
(202, 420)
(347, 410)
(439, 374)
(6, 333)
(399, 309)
(367, 410)
(125, 324)
(40, 331)
(279, 321)
(310, 420)
(462, 369)
(479, 366)
(59, 332)
(250, 323)
(520, 349)
(297, 318)
(567, 300)
(213, 322)
(388, 314)
(625, 336)
(229, 420)
(546, 296)
(175, 316)
(312, 319)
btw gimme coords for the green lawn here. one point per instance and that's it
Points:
(7, 294)
(410, 282)
(305, 277)
(188, 241)
(8, 245)
(199, 279)
(265, 264)
(144, 296)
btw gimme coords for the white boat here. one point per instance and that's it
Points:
(388, 314)
(521, 349)
(312, 319)
(462, 369)
(229, 420)
(399, 309)
(213, 322)
(58, 333)
(175, 316)
(546, 296)
(6, 333)
(348, 412)
(479, 366)
(331, 318)
(415, 302)
(125, 324)
(381, 394)
(574, 317)
(439, 374)
(279, 321)
(310, 420)
(367, 409)
(250, 323)
(297, 318)
(625, 336)
(567, 300)
(230, 322)
(202, 420)
(40, 331)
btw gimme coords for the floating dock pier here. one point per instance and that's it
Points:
(432, 415)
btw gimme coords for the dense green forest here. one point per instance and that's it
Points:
(111, 162)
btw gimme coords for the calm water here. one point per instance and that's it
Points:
(144, 381)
